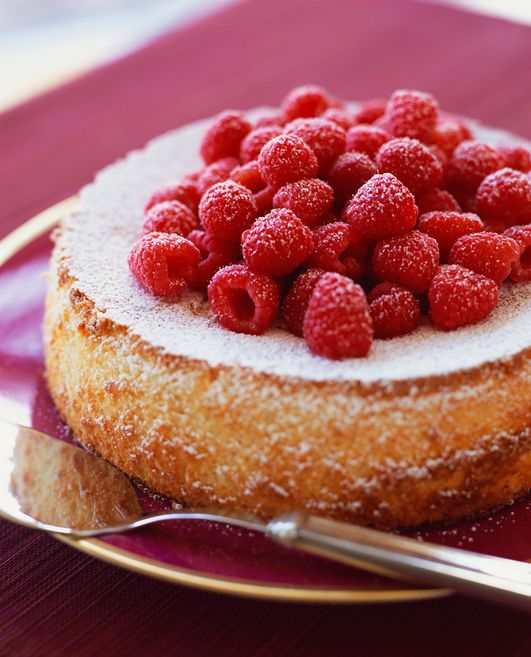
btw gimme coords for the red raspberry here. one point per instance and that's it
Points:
(256, 140)
(394, 311)
(264, 199)
(411, 162)
(449, 133)
(297, 299)
(305, 101)
(459, 296)
(370, 110)
(286, 158)
(332, 250)
(170, 217)
(489, 254)
(215, 173)
(382, 207)
(437, 199)
(516, 157)
(471, 162)
(505, 195)
(249, 176)
(412, 114)
(349, 173)
(309, 199)
(242, 300)
(163, 262)
(270, 120)
(224, 136)
(325, 138)
(227, 209)
(339, 116)
(277, 243)
(521, 270)
(337, 323)
(181, 192)
(215, 254)
(447, 227)
(366, 139)
(410, 260)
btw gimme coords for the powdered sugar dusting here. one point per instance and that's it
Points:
(97, 241)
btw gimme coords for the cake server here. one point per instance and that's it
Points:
(50, 485)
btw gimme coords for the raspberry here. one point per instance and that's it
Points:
(394, 311)
(471, 162)
(332, 250)
(382, 207)
(366, 139)
(521, 270)
(170, 217)
(181, 192)
(297, 299)
(163, 262)
(215, 254)
(516, 157)
(224, 136)
(243, 301)
(325, 138)
(216, 172)
(412, 114)
(277, 243)
(505, 195)
(437, 199)
(264, 199)
(337, 323)
(256, 140)
(227, 209)
(449, 133)
(249, 176)
(286, 158)
(349, 173)
(459, 296)
(309, 199)
(305, 101)
(370, 111)
(409, 260)
(411, 162)
(489, 254)
(341, 117)
(447, 227)
(270, 120)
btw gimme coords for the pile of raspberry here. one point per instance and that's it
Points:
(343, 226)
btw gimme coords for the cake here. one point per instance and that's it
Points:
(429, 427)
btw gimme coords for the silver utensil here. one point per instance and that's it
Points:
(50, 485)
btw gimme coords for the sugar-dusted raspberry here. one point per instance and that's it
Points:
(366, 139)
(264, 199)
(411, 162)
(516, 157)
(370, 110)
(471, 161)
(332, 250)
(305, 101)
(449, 133)
(227, 209)
(382, 207)
(521, 270)
(437, 199)
(242, 300)
(458, 296)
(489, 254)
(270, 120)
(277, 243)
(410, 260)
(248, 175)
(340, 116)
(215, 254)
(177, 192)
(412, 114)
(447, 226)
(256, 140)
(505, 195)
(163, 262)
(285, 159)
(170, 217)
(337, 323)
(349, 173)
(325, 138)
(309, 199)
(216, 172)
(297, 299)
(394, 310)
(224, 136)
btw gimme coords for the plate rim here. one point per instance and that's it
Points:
(10, 245)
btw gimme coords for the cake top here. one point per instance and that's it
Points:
(97, 241)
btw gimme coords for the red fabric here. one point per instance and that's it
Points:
(54, 601)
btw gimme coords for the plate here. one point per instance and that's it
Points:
(204, 555)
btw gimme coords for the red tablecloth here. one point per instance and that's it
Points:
(54, 601)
